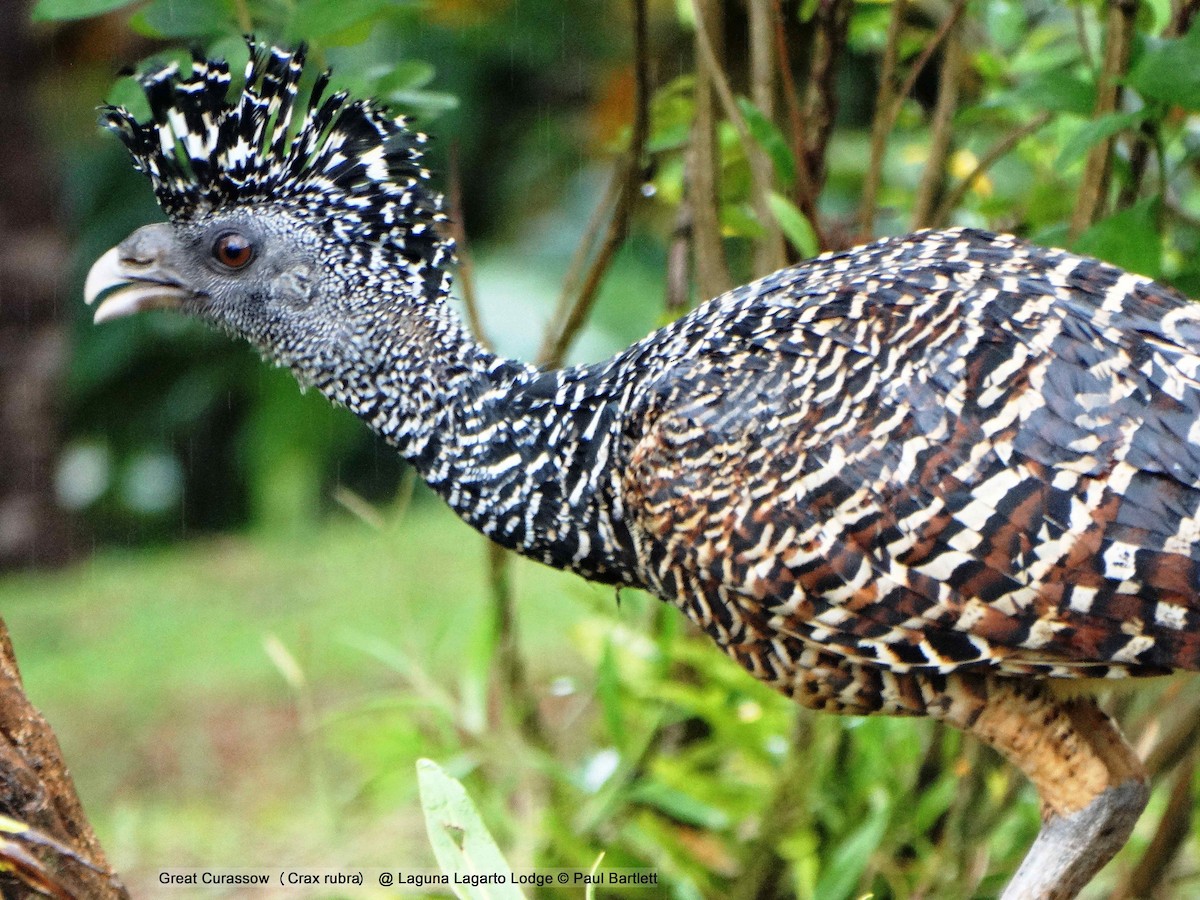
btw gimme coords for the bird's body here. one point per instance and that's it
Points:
(925, 476)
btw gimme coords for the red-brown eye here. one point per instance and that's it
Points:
(233, 250)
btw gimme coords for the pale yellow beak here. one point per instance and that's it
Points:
(131, 278)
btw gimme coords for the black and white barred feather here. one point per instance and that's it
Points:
(347, 163)
(953, 452)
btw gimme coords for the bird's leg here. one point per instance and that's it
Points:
(1091, 784)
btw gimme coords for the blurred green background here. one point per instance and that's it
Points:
(246, 622)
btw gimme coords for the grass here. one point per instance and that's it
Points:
(220, 702)
(262, 699)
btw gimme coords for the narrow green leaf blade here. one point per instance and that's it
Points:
(772, 141)
(1056, 91)
(1093, 133)
(60, 10)
(796, 227)
(1170, 72)
(1129, 239)
(460, 840)
(852, 856)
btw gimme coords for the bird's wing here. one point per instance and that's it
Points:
(930, 471)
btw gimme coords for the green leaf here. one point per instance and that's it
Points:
(460, 840)
(850, 859)
(1128, 239)
(128, 93)
(1170, 72)
(1093, 133)
(407, 75)
(608, 687)
(172, 19)
(796, 227)
(58, 10)
(337, 22)
(427, 103)
(772, 141)
(1057, 91)
(679, 805)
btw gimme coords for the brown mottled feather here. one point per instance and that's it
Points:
(935, 464)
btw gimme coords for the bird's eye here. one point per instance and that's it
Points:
(233, 250)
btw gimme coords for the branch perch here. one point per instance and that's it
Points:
(37, 790)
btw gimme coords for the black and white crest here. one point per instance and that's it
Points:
(349, 165)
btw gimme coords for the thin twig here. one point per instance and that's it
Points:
(1093, 184)
(833, 27)
(241, 12)
(919, 66)
(466, 267)
(702, 165)
(510, 668)
(994, 154)
(628, 176)
(881, 125)
(763, 68)
(1175, 743)
(804, 194)
(675, 299)
(760, 165)
(933, 179)
(770, 249)
(1181, 19)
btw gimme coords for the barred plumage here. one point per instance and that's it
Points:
(926, 476)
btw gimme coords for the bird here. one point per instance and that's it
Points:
(949, 474)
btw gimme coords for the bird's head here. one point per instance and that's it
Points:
(288, 224)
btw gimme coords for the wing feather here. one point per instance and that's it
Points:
(937, 469)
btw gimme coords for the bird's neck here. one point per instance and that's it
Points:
(523, 456)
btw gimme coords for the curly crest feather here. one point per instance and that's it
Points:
(350, 165)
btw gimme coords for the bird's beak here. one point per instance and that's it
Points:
(133, 277)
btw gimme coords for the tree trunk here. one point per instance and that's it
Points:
(33, 253)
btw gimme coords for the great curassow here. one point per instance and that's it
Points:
(939, 475)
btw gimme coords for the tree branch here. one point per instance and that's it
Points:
(760, 165)
(770, 249)
(804, 194)
(37, 790)
(933, 179)
(1093, 185)
(572, 314)
(995, 153)
(466, 266)
(882, 122)
(833, 24)
(702, 165)
(927, 54)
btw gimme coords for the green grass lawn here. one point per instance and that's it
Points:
(193, 744)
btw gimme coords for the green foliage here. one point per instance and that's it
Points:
(1129, 238)
(795, 225)
(57, 10)
(1170, 72)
